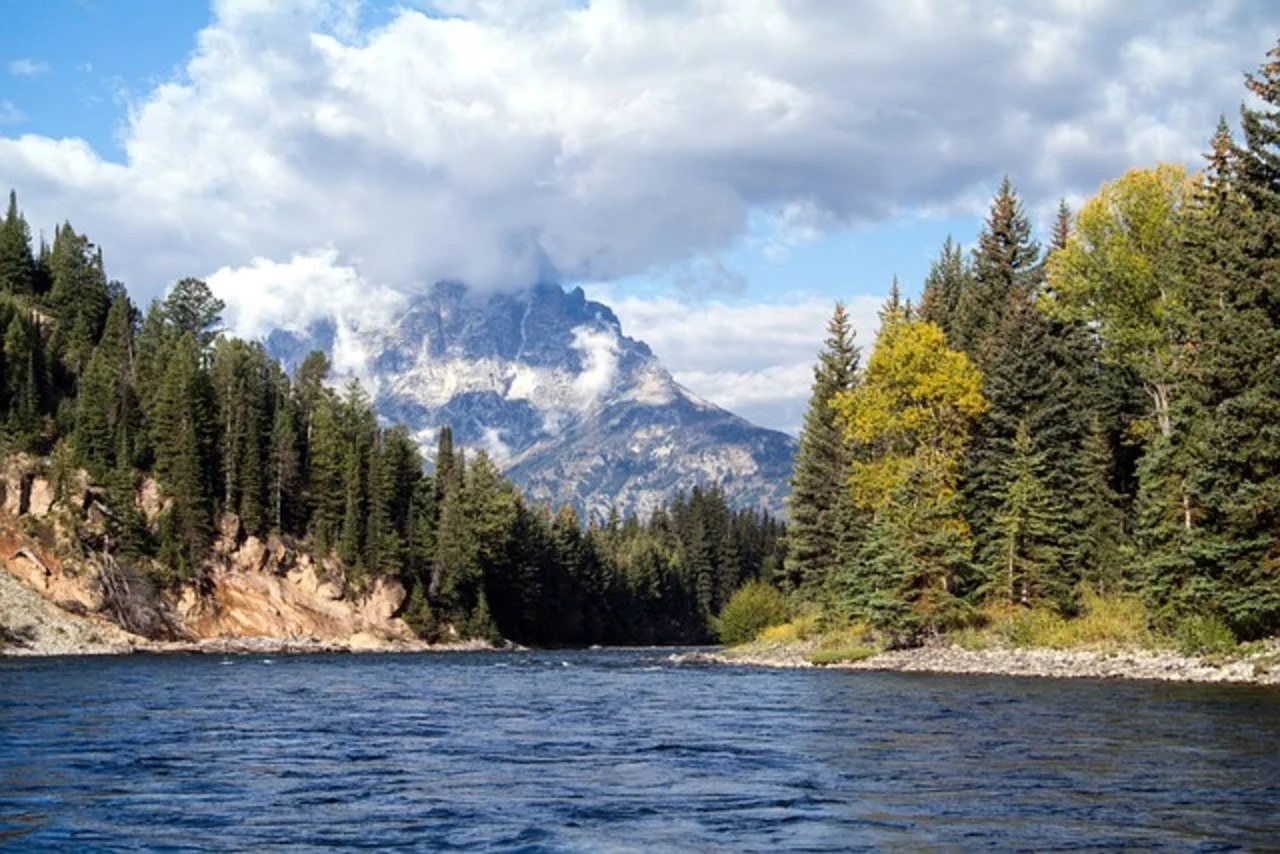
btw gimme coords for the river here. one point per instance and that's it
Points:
(618, 751)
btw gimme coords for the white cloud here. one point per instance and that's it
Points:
(26, 67)
(265, 294)
(10, 114)
(754, 359)
(519, 140)
(599, 349)
(306, 165)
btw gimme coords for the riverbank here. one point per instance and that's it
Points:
(1256, 668)
(34, 626)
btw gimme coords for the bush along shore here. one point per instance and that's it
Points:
(1111, 639)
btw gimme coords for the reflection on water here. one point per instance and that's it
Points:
(618, 750)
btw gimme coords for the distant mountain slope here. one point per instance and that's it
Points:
(546, 382)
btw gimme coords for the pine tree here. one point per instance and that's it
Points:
(1025, 522)
(906, 575)
(1005, 262)
(447, 474)
(1061, 228)
(284, 464)
(1102, 538)
(822, 463)
(1029, 383)
(26, 379)
(950, 276)
(94, 440)
(1234, 433)
(17, 265)
(326, 492)
(190, 307)
(184, 454)
(80, 296)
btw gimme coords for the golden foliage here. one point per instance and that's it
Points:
(912, 411)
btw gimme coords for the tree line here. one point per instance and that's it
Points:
(1100, 416)
(93, 382)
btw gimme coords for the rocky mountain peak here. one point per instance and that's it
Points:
(546, 382)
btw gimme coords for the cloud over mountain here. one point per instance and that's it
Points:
(502, 142)
(313, 154)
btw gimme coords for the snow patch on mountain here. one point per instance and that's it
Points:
(547, 384)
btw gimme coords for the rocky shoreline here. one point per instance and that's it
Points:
(1136, 664)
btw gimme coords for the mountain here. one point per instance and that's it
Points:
(546, 382)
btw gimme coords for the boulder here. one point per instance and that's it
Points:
(40, 497)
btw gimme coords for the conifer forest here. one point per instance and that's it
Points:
(1088, 413)
(1092, 415)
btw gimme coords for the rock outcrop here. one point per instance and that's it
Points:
(255, 593)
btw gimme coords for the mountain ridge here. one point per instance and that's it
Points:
(546, 382)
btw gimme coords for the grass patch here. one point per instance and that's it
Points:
(1105, 622)
(842, 655)
(1204, 634)
(974, 640)
(797, 630)
(849, 637)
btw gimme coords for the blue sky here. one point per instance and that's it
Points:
(742, 163)
(90, 58)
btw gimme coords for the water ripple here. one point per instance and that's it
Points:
(618, 751)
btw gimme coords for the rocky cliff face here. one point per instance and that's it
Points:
(63, 592)
(546, 382)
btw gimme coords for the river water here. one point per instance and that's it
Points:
(618, 751)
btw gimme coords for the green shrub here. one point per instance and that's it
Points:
(753, 608)
(1204, 634)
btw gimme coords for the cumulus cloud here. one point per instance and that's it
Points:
(305, 164)
(507, 142)
(265, 294)
(753, 359)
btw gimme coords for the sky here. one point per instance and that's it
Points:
(718, 171)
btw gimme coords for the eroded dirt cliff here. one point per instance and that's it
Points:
(65, 592)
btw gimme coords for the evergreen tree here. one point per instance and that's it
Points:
(184, 455)
(190, 307)
(284, 464)
(80, 296)
(822, 463)
(1235, 431)
(1061, 228)
(326, 492)
(1102, 532)
(1029, 384)
(26, 379)
(1025, 522)
(950, 277)
(17, 265)
(1005, 262)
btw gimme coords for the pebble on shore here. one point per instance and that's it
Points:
(1046, 663)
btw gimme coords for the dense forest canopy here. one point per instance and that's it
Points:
(1093, 417)
(89, 380)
